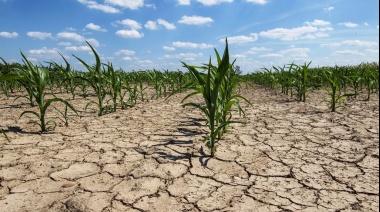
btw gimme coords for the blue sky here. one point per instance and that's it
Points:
(147, 34)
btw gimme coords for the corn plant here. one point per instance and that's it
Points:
(67, 75)
(36, 79)
(371, 81)
(336, 97)
(302, 82)
(114, 83)
(5, 135)
(209, 85)
(96, 79)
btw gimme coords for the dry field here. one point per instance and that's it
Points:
(287, 156)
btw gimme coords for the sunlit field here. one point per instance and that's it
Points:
(290, 138)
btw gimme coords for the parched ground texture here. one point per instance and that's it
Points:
(287, 156)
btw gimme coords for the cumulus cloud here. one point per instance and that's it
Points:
(125, 52)
(93, 42)
(295, 53)
(189, 45)
(153, 6)
(241, 39)
(94, 5)
(272, 56)
(288, 34)
(43, 52)
(95, 27)
(9, 34)
(349, 24)
(39, 35)
(168, 48)
(260, 49)
(71, 36)
(127, 58)
(184, 2)
(131, 4)
(348, 52)
(65, 44)
(188, 56)
(195, 20)
(166, 24)
(358, 43)
(262, 2)
(78, 48)
(134, 25)
(310, 30)
(318, 23)
(213, 2)
(152, 25)
(129, 34)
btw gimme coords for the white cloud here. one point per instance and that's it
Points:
(39, 35)
(195, 20)
(65, 44)
(289, 34)
(152, 25)
(349, 24)
(359, 43)
(127, 58)
(168, 48)
(272, 56)
(78, 48)
(315, 35)
(93, 42)
(260, 49)
(166, 24)
(238, 56)
(95, 27)
(125, 52)
(129, 34)
(189, 45)
(329, 8)
(318, 23)
(9, 34)
(352, 43)
(295, 53)
(262, 2)
(366, 24)
(310, 30)
(94, 5)
(348, 52)
(241, 39)
(153, 6)
(183, 55)
(184, 2)
(131, 4)
(43, 51)
(71, 36)
(213, 2)
(134, 25)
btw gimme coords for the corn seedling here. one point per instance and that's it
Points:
(36, 78)
(96, 79)
(5, 135)
(336, 96)
(67, 76)
(302, 82)
(209, 85)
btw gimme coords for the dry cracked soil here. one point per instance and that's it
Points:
(284, 156)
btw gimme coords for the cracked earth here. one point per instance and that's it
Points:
(287, 156)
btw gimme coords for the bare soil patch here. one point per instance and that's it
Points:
(287, 156)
